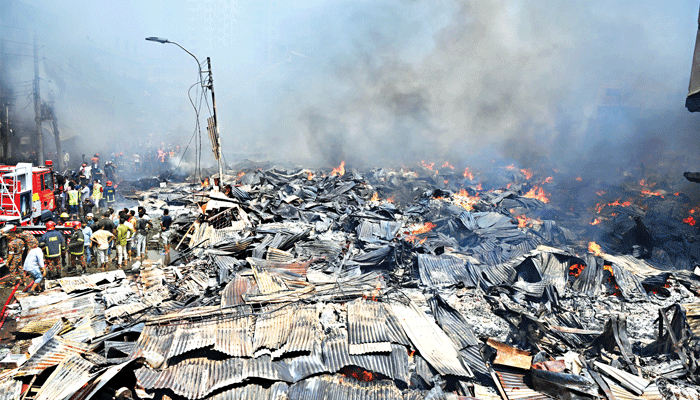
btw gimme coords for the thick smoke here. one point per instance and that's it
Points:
(590, 87)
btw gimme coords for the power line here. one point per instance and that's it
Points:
(14, 41)
(13, 27)
(18, 55)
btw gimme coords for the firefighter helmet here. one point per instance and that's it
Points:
(109, 183)
(50, 226)
(64, 215)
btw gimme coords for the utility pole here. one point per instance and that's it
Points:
(57, 137)
(217, 144)
(37, 106)
(4, 129)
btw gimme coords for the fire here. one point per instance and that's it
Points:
(648, 192)
(579, 179)
(600, 193)
(427, 227)
(599, 207)
(428, 165)
(375, 197)
(240, 175)
(205, 182)
(310, 175)
(537, 193)
(641, 182)
(527, 173)
(596, 221)
(510, 167)
(594, 248)
(466, 201)
(340, 171)
(468, 174)
(390, 199)
(447, 165)
(690, 220)
(548, 180)
(522, 221)
(575, 270)
(478, 186)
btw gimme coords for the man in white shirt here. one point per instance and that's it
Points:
(34, 265)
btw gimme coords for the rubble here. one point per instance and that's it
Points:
(311, 286)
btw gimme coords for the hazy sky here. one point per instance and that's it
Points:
(370, 82)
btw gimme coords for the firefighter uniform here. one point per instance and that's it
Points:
(29, 240)
(55, 243)
(110, 195)
(77, 250)
(15, 249)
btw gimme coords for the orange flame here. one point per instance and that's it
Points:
(447, 165)
(428, 165)
(575, 270)
(579, 179)
(510, 167)
(468, 174)
(594, 248)
(690, 220)
(390, 199)
(600, 193)
(537, 193)
(463, 199)
(650, 193)
(375, 197)
(310, 175)
(427, 227)
(478, 186)
(548, 180)
(527, 173)
(241, 174)
(522, 221)
(596, 221)
(340, 171)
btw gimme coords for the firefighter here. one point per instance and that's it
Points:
(15, 250)
(110, 170)
(73, 200)
(110, 194)
(63, 218)
(55, 244)
(97, 195)
(77, 249)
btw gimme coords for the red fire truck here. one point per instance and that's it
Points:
(25, 193)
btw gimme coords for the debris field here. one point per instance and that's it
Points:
(382, 284)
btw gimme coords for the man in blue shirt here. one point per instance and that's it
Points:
(34, 266)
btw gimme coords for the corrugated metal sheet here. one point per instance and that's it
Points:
(692, 312)
(277, 255)
(50, 354)
(10, 389)
(444, 270)
(431, 341)
(272, 327)
(197, 377)
(278, 391)
(305, 329)
(518, 386)
(630, 382)
(154, 339)
(337, 387)
(367, 327)
(304, 366)
(125, 310)
(620, 393)
(39, 326)
(232, 295)
(82, 331)
(267, 282)
(452, 322)
(124, 347)
(38, 342)
(98, 381)
(192, 336)
(233, 336)
(71, 308)
(116, 295)
(70, 375)
(394, 328)
(75, 283)
(336, 355)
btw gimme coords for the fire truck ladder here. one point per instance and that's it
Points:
(10, 211)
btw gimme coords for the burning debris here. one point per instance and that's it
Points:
(304, 285)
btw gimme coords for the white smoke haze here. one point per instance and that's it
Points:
(374, 83)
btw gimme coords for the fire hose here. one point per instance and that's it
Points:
(4, 308)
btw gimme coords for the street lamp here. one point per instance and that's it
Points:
(213, 130)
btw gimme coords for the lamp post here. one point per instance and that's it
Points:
(215, 137)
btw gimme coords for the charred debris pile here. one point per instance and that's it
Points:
(382, 285)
